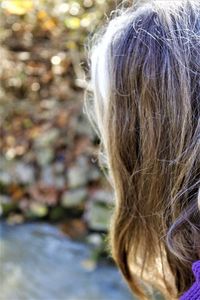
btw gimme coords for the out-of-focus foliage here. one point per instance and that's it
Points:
(47, 169)
(17, 7)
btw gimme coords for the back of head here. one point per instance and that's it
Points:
(146, 79)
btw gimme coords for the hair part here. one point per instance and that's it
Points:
(145, 71)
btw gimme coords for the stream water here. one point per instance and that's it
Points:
(38, 263)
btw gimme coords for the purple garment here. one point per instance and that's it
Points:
(194, 292)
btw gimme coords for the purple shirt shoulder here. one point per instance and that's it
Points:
(194, 292)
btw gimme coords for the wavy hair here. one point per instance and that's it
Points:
(145, 71)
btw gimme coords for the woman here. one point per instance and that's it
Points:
(145, 70)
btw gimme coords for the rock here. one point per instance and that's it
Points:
(47, 195)
(82, 173)
(24, 204)
(4, 199)
(74, 197)
(59, 167)
(47, 176)
(76, 177)
(57, 213)
(6, 205)
(98, 211)
(18, 172)
(95, 239)
(46, 139)
(74, 228)
(84, 128)
(5, 178)
(98, 216)
(44, 156)
(60, 182)
(44, 146)
(94, 174)
(24, 173)
(38, 210)
(14, 219)
(103, 196)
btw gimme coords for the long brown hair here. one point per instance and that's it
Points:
(145, 69)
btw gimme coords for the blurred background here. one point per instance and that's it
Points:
(55, 203)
